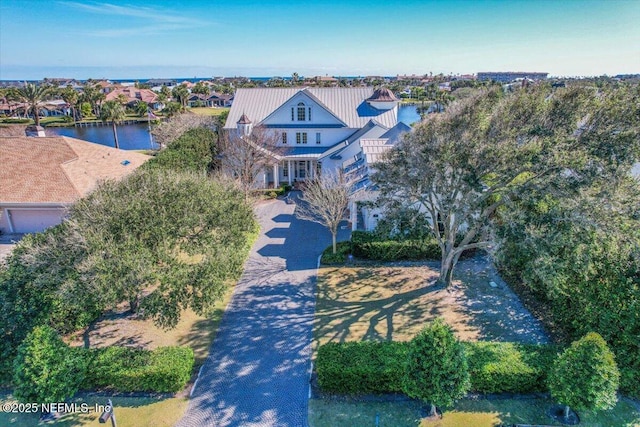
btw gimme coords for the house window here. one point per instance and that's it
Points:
(309, 114)
(292, 113)
(318, 138)
(302, 112)
(285, 170)
(301, 137)
(284, 137)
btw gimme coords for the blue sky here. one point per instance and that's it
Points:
(208, 38)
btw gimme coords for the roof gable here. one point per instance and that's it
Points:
(346, 104)
(282, 114)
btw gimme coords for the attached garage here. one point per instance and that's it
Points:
(41, 176)
(31, 220)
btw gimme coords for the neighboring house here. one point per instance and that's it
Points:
(133, 95)
(320, 129)
(42, 176)
(212, 100)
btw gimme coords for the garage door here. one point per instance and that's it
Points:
(34, 220)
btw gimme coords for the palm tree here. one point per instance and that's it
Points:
(112, 111)
(180, 94)
(141, 108)
(70, 96)
(33, 95)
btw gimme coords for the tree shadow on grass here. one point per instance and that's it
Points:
(363, 311)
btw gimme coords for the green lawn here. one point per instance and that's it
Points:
(129, 411)
(389, 302)
(468, 412)
(208, 111)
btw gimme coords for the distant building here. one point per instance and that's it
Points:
(509, 76)
(132, 95)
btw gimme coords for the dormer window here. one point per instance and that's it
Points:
(302, 112)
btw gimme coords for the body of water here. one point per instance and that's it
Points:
(408, 114)
(130, 137)
(136, 137)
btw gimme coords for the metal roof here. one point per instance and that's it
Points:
(347, 104)
(299, 152)
(373, 149)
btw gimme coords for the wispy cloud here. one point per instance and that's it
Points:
(151, 21)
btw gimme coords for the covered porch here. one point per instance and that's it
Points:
(291, 171)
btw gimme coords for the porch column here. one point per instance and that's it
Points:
(353, 215)
(264, 178)
(290, 171)
(312, 166)
(276, 176)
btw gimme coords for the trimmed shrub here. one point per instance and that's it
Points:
(343, 249)
(585, 376)
(45, 369)
(495, 367)
(503, 367)
(124, 369)
(194, 151)
(361, 367)
(374, 247)
(437, 371)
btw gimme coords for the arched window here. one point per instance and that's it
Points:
(302, 112)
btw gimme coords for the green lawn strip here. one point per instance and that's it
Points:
(467, 412)
(130, 412)
(208, 111)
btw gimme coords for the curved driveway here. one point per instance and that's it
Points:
(257, 372)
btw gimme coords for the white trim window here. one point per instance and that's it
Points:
(318, 138)
(284, 137)
(302, 112)
(301, 137)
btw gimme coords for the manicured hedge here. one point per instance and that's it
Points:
(343, 249)
(377, 367)
(373, 247)
(124, 369)
(509, 367)
(361, 367)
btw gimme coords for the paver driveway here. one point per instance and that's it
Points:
(257, 373)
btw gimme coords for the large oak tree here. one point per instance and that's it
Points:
(463, 165)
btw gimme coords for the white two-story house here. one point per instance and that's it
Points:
(318, 129)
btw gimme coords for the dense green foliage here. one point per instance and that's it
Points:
(361, 367)
(124, 369)
(382, 248)
(585, 376)
(159, 240)
(583, 265)
(462, 166)
(45, 368)
(343, 249)
(501, 367)
(378, 367)
(185, 235)
(43, 283)
(193, 151)
(437, 371)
